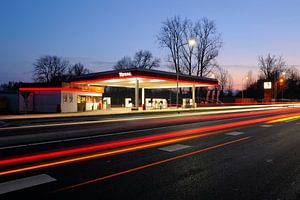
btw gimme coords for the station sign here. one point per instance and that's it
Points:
(124, 74)
(267, 85)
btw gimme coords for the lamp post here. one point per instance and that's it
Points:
(281, 82)
(191, 42)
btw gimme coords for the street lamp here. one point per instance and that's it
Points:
(191, 42)
(281, 83)
(281, 80)
(245, 78)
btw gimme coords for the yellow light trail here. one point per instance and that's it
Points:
(283, 119)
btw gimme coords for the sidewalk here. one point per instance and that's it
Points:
(125, 111)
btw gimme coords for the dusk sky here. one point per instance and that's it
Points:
(98, 33)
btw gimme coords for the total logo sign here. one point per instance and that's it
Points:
(267, 85)
(124, 74)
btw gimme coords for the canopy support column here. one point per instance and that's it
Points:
(136, 104)
(193, 96)
(143, 99)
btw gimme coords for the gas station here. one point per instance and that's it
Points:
(94, 84)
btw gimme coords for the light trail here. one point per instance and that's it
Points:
(169, 122)
(208, 110)
(284, 119)
(107, 153)
(153, 164)
(134, 141)
(226, 116)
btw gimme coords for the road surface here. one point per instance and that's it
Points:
(240, 155)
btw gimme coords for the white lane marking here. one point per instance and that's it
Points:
(266, 125)
(269, 160)
(23, 183)
(136, 118)
(234, 133)
(174, 147)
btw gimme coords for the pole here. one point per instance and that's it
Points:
(282, 92)
(275, 90)
(143, 99)
(194, 96)
(177, 89)
(242, 96)
(136, 94)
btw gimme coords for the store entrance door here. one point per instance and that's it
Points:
(81, 103)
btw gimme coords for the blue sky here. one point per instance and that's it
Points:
(98, 33)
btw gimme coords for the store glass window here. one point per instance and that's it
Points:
(65, 97)
(70, 97)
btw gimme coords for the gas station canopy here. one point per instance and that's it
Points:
(148, 79)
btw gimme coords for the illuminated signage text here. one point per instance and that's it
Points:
(124, 74)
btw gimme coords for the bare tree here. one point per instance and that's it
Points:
(199, 60)
(271, 67)
(142, 59)
(78, 69)
(10, 86)
(50, 69)
(145, 60)
(292, 73)
(124, 63)
(222, 76)
(171, 37)
(230, 83)
(187, 51)
(208, 46)
(249, 79)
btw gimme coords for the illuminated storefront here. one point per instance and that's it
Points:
(44, 98)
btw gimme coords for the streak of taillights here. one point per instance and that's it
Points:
(107, 153)
(216, 117)
(134, 141)
(153, 164)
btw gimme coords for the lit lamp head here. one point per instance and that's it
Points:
(192, 42)
(281, 80)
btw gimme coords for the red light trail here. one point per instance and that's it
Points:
(133, 141)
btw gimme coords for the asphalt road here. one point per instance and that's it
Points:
(249, 156)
